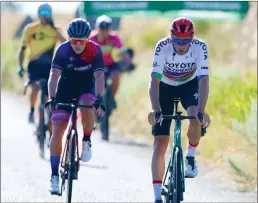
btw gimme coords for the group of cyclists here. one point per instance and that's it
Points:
(78, 67)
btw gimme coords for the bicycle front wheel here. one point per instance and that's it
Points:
(175, 189)
(104, 125)
(42, 131)
(72, 167)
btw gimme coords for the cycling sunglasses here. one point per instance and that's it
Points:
(179, 41)
(45, 13)
(75, 41)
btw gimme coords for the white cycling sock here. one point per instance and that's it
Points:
(191, 150)
(157, 189)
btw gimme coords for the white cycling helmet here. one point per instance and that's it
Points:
(103, 22)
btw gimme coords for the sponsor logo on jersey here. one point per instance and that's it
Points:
(204, 47)
(81, 68)
(155, 64)
(179, 67)
(162, 44)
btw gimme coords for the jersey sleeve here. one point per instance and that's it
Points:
(158, 61)
(98, 63)
(58, 59)
(25, 36)
(202, 61)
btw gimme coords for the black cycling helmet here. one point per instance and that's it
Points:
(79, 28)
(103, 22)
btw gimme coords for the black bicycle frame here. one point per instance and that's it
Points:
(72, 126)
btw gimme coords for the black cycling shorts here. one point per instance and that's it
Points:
(67, 90)
(188, 94)
(115, 67)
(37, 71)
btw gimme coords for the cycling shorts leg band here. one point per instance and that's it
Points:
(87, 96)
(60, 115)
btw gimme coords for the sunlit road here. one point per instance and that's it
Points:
(118, 172)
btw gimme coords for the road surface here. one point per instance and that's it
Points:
(118, 172)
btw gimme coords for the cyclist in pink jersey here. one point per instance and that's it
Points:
(111, 47)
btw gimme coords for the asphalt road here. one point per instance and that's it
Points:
(118, 172)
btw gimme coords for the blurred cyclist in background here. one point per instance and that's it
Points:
(111, 47)
(40, 39)
(126, 60)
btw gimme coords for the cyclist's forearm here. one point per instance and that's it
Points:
(21, 56)
(52, 83)
(99, 83)
(203, 93)
(154, 94)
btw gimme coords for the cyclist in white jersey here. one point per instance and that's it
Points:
(180, 69)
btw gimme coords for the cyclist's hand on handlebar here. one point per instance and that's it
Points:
(21, 71)
(99, 107)
(203, 119)
(154, 117)
(50, 104)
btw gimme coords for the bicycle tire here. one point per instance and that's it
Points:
(71, 167)
(42, 132)
(175, 190)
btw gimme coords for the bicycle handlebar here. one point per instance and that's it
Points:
(71, 105)
(179, 117)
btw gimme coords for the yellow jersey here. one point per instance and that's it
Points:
(40, 40)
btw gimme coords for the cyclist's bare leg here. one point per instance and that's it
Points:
(34, 94)
(194, 129)
(158, 163)
(115, 76)
(59, 127)
(88, 120)
(194, 135)
(33, 99)
(56, 139)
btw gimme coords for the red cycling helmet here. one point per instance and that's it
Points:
(182, 27)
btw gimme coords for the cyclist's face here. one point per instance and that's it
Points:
(78, 45)
(104, 33)
(44, 16)
(181, 49)
(181, 45)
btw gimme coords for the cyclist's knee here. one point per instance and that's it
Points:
(115, 75)
(35, 88)
(192, 111)
(60, 116)
(87, 99)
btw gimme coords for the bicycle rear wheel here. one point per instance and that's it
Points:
(72, 166)
(175, 187)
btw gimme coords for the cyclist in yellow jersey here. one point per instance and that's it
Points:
(40, 39)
